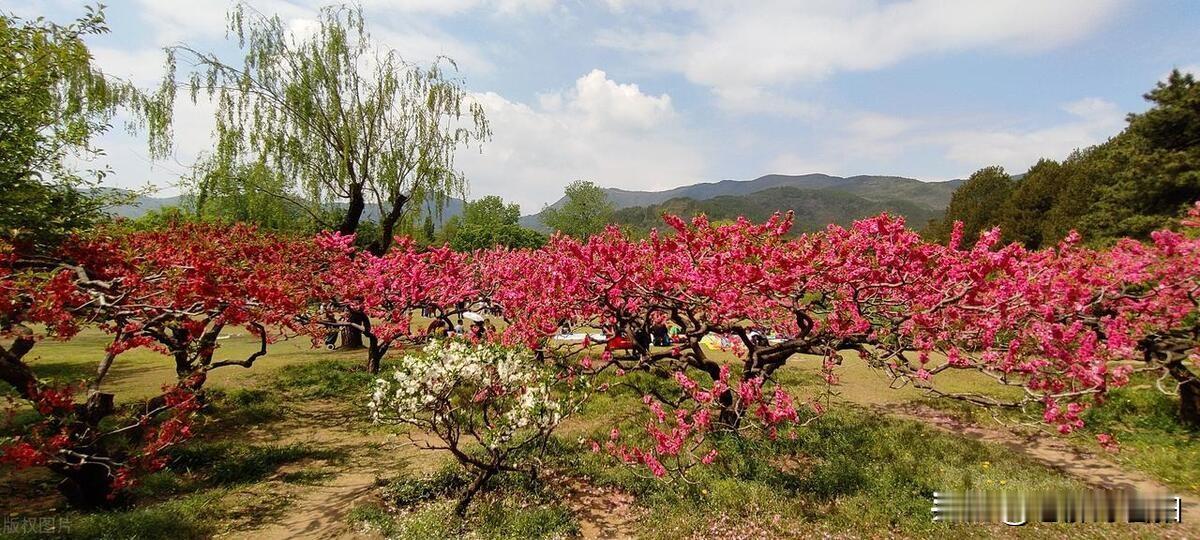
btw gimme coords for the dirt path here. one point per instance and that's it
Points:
(1056, 454)
(319, 510)
(603, 513)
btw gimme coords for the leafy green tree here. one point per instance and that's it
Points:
(491, 211)
(345, 123)
(53, 102)
(586, 211)
(1157, 160)
(978, 203)
(489, 222)
(445, 235)
(1023, 215)
(1077, 180)
(249, 194)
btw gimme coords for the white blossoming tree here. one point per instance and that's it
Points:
(486, 404)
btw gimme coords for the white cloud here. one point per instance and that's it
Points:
(600, 130)
(424, 45)
(127, 155)
(753, 100)
(391, 23)
(1092, 121)
(174, 21)
(870, 125)
(733, 48)
(868, 142)
(604, 103)
(177, 20)
(142, 67)
(449, 7)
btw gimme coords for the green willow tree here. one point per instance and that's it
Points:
(347, 124)
(53, 102)
(247, 193)
(587, 211)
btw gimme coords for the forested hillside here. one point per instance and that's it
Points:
(814, 208)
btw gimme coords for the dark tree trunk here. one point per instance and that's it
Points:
(730, 414)
(17, 373)
(1189, 403)
(354, 210)
(387, 225)
(183, 363)
(373, 362)
(88, 486)
(351, 337)
(461, 509)
(1189, 386)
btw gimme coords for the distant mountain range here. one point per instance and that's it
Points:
(142, 205)
(817, 200)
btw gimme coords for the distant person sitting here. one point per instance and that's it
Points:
(331, 336)
(642, 338)
(662, 337)
(437, 329)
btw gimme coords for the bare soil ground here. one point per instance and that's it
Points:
(603, 513)
(320, 510)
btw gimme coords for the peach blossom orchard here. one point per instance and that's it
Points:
(1063, 326)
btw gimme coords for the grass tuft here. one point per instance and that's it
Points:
(232, 462)
(1152, 439)
(325, 379)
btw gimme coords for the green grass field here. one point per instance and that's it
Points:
(295, 424)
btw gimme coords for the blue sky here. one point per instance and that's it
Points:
(659, 93)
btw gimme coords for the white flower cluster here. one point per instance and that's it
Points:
(497, 391)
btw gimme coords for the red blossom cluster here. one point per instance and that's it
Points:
(1061, 326)
(174, 291)
(379, 294)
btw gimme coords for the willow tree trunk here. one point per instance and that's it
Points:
(351, 337)
(354, 210)
(387, 225)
